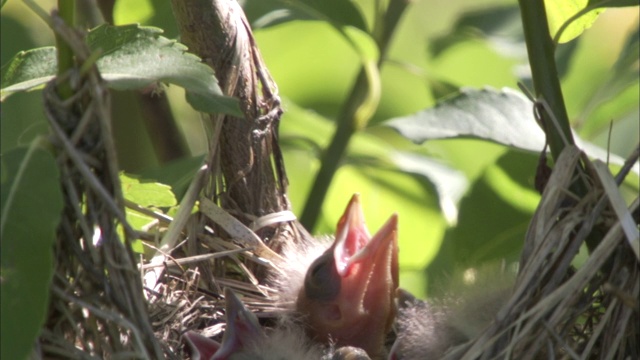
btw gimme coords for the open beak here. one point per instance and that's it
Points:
(350, 290)
(242, 329)
(371, 274)
(352, 235)
(200, 347)
(361, 258)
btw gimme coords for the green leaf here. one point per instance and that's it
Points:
(132, 57)
(138, 221)
(499, 25)
(441, 88)
(130, 12)
(343, 15)
(362, 43)
(564, 56)
(28, 70)
(261, 13)
(178, 173)
(624, 74)
(568, 19)
(612, 3)
(504, 117)
(31, 205)
(450, 184)
(494, 216)
(147, 193)
(205, 103)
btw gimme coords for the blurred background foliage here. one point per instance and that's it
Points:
(438, 47)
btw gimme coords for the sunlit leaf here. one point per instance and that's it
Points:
(132, 57)
(146, 193)
(31, 208)
(569, 18)
(129, 12)
(562, 18)
(138, 221)
(504, 117)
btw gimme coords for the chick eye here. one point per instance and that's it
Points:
(322, 281)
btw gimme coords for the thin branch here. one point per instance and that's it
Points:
(352, 118)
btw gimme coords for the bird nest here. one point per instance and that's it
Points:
(96, 308)
(563, 305)
(189, 297)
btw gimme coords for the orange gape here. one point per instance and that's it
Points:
(349, 291)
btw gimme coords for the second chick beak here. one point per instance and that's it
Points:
(242, 329)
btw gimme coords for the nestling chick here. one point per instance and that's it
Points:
(340, 295)
(244, 338)
(345, 294)
(427, 330)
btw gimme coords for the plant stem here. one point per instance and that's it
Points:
(333, 155)
(544, 73)
(349, 121)
(66, 9)
(546, 83)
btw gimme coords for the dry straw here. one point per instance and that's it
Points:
(562, 306)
